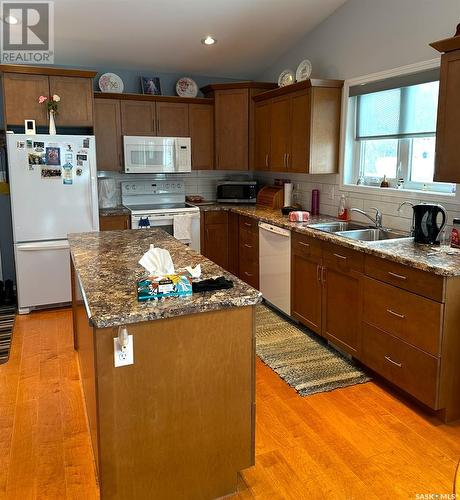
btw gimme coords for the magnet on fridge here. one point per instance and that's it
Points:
(29, 126)
(79, 171)
(86, 142)
(20, 145)
(67, 177)
(29, 144)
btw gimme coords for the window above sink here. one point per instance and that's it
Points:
(389, 128)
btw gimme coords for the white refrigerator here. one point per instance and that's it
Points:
(53, 183)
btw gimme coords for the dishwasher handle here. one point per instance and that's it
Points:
(274, 229)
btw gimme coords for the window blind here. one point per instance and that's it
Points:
(408, 111)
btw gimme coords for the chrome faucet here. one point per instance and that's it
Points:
(404, 203)
(378, 216)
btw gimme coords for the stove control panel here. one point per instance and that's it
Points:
(152, 187)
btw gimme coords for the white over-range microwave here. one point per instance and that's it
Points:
(157, 155)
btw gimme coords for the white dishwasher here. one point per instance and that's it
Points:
(275, 265)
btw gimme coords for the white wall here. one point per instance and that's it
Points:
(366, 36)
(360, 38)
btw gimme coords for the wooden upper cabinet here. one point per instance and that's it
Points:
(107, 129)
(21, 93)
(299, 131)
(280, 133)
(447, 168)
(172, 119)
(232, 129)
(262, 136)
(201, 126)
(305, 126)
(138, 118)
(76, 105)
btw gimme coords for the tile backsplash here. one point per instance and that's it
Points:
(200, 182)
(330, 194)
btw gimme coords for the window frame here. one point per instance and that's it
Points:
(350, 148)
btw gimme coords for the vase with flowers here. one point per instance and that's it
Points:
(52, 105)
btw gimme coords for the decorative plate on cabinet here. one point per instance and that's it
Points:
(110, 82)
(303, 71)
(186, 87)
(286, 77)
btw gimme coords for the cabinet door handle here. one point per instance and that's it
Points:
(323, 274)
(288, 155)
(248, 224)
(248, 274)
(342, 257)
(304, 244)
(247, 246)
(400, 316)
(266, 160)
(318, 272)
(397, 276)
(399, 365)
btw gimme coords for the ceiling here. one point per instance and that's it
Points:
(165, 35)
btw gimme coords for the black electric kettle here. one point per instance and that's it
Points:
(425, 223)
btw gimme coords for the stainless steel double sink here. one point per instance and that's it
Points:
(359, 232)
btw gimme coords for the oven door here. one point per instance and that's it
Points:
(144, 155)
(165, 222)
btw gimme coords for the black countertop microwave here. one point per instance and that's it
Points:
(237, 192)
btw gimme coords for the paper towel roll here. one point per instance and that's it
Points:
(288, 194)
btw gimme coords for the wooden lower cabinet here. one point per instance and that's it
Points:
(306, 285)
(214, 237)
(248, 258)
(406, 366)
(342, 297)
(114, 222)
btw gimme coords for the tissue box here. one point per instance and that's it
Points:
(157, 287)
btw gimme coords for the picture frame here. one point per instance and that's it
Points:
(150, 85)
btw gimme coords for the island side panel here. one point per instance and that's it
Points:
(84, 344)
(179, 422)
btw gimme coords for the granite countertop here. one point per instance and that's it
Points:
(107, 266)
(438, 260)
(119, 210)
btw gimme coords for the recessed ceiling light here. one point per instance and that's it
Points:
(208, 40)
(11, 20)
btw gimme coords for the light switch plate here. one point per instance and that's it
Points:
(123, 358)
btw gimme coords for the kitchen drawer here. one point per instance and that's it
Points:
(249, 272)
(306, 246)
(249, 239)
(249, 224)
(342, 259)
(420, 282)
(249, 252)
(412, 318)
(216, 217)
(405, 366)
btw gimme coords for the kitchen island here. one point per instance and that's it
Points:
(179, 421)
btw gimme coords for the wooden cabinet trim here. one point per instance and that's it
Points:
(153, 98)
(45, 70)
(295, 87)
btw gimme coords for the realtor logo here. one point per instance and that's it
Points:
(27, 32)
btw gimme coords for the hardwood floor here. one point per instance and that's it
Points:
(361, 442)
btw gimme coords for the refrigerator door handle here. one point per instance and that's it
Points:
(36, 247)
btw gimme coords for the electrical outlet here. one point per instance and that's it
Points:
(120, 357)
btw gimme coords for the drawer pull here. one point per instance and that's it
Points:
(248, 224)
(342, 257)
(247, 246)
(399, 365)
(318, 272)
(304, 244)
(248, 274)
(400, 316)
(397, 276)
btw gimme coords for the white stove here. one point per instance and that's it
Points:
(162, 204)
